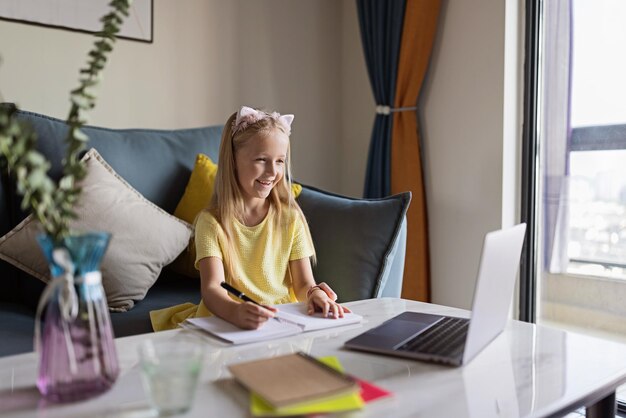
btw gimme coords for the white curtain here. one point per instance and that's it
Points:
(556, 131)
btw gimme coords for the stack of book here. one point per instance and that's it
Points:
(298, 384)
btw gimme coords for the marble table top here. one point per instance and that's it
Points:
(527, 371)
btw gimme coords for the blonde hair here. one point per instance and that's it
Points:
(227, 202)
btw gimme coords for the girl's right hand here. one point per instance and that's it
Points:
(251, 316)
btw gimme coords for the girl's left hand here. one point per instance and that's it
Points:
(319, 301)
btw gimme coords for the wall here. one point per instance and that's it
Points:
(209, 56)
(470, 125)
(281, 55)
(357, 105)
(289, 59)
(174, 82)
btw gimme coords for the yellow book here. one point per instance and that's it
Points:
(346, 402)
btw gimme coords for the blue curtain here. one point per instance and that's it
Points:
(381, 23)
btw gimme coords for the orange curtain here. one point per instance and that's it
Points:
(420, 24)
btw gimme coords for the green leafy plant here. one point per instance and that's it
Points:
(52, 203)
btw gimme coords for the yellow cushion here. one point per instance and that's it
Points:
(199, 189)
(197, 197)
(296, 189)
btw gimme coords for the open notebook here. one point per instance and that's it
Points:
(291, 319)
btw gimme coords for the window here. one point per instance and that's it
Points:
(574, 195)
(597, 221)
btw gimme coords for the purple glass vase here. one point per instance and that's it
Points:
(77, 353)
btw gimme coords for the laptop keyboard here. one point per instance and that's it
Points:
(446, 338)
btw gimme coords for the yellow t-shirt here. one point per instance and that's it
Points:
(264, 254)
(262, 270)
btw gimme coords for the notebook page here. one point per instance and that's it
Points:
(231, 333)
(296, 313)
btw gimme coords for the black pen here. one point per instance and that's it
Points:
(239, 293)
(247, 298)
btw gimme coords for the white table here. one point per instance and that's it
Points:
(528, 371)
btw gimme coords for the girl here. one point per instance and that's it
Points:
(253, 234)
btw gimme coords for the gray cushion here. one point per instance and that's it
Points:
(144, 237)
(353, 239)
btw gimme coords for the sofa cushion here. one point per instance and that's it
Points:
(196, 197)
(353, 239)
(144, 237)
(199, 189)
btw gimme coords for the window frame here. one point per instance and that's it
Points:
(529, 161)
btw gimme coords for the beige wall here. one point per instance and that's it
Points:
(280, 54)
(357, 105)
(471, 125)
(174, 82)
(209, 56)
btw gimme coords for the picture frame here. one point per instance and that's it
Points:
(80, 16)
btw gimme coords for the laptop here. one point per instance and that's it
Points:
(451, 340)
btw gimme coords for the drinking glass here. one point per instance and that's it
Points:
(170, 371)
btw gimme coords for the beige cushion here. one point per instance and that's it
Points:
(144, 237)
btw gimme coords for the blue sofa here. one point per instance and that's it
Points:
(360, 243)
